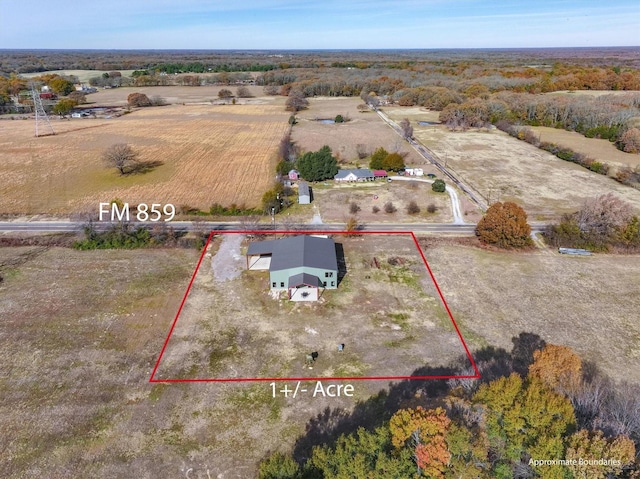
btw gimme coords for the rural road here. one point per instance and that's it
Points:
(71, 226)
(431, 158)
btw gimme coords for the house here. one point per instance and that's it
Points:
(379, 174)
(300, 265)
(354, 175)
(304, 193)
(293, 175)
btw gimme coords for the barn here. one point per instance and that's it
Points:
(301, 265)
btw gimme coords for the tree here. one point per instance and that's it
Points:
(271, 90)
(630, 140)
(558, 367)
(78, 97)
(224, 93)
(122, 157)
(393, 162)
(243, 92)
(279, 466)
(504, 225)
(353, 208)
(407, 129)
(61, 86)
(601, 217)
(338, 119)
(64, 106)
(413, 208)
(362, 150)
(585, 446)
(377, 159)
(296, 101)
(432, 208)
(389, 207)
(319, 165)
(138, 100)
(439, 186)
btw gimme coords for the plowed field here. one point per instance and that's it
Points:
(209, 154)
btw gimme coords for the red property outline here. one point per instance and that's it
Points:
(276, 232)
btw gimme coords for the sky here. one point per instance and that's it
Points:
(326, 24)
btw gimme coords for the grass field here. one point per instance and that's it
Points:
(81, 332)
(589, 304)
(210, 154)
(502, 168)
(601, 150)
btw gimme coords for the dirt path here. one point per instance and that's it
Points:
(228, 262)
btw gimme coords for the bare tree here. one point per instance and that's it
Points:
(603, 215)
(296, 101)
(362, 150)
(407, 129)
(271, 90)
(122, 157)
(243, 92)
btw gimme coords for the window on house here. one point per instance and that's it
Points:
(273, 285)
(282, 284)
(324, 284)
(333, 283)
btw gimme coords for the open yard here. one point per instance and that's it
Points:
(334, 202)
(208, 154)
(384, 308)
(587, 303)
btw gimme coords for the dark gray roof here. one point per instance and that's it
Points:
(360, 173)
(303, 188)
(304, 278)
(296, 251)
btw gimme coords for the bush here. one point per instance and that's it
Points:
(224, 93)
(439, 186)
(339, 119)
(505, 225)
(375, 209)
(413, 208)
(138, 99)
(432, 208)
(389, 207)
(354, 208)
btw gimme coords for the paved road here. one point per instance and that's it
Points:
(71, 226)
(432, 158)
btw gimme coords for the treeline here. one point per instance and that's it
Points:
(126, 236)
(604, 116)
(538, 411)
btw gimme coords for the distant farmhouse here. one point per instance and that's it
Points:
(304, 193)
(300, 265)
(362, 174)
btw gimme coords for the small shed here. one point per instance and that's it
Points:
(379, 174)
(304, 193)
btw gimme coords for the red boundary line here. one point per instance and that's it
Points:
(361, 378)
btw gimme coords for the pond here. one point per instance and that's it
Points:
(327, 122)
(425, 123)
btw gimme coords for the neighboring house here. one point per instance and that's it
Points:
(294, 175)
(304, 193)
(379, 174)
(300, 265)
(362, 174)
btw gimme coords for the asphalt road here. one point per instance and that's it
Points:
(71, 226)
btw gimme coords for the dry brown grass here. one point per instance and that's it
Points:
(600, 150)
(502, 168)
(589, 304)
(221, 154)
